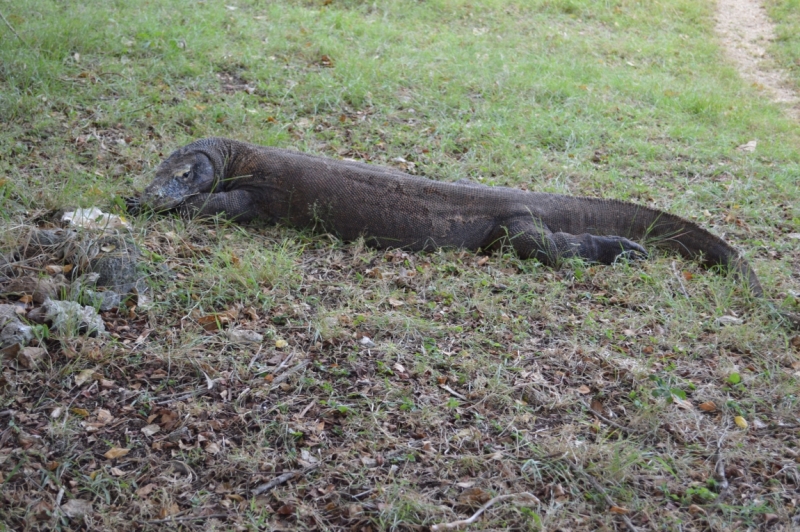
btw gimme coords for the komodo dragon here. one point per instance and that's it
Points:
(390, 208)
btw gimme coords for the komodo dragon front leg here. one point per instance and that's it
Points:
(532, 240)
(235, 205)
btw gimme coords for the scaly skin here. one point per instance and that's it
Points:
(392, 209)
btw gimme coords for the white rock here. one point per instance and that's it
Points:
(94, 218)
(365, 341)
(69, 316)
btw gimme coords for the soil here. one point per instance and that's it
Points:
(746, 31)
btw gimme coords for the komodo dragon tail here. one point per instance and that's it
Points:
(664, 230)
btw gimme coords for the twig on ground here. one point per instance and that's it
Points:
(91, 387)
(23, 267)
(492, 502)
(362, 494)
(306, 409)
(719, 469)
(187, 518)
(242, 395)
(138, 109)
(255, 357)
(678, 277)
(12, 29)
(776, 428)
(282, 479)
(603, 418)
(285, 362)
(187, 395)
(140, 340)
(60, 496)
(609, 501)
(283, 376)
(453, 392)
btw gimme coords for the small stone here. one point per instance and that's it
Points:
(366, 341)
(244, 336)
(29, 357)
(12, 330)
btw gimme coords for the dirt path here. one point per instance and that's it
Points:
(746, 31)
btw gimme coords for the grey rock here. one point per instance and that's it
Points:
(12, 329)
(69, 316)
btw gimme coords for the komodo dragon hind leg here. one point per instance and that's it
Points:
(531, 240)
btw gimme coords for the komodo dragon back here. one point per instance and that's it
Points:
(390, 208)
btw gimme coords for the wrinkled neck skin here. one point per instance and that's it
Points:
(223, 158)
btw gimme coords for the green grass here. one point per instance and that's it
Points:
(484, 371)
(786, 48)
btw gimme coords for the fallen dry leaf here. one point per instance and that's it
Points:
(597, 406)
(558, 492)
(219, 320)
(286, 509)
(694, 510)
(83, 376)
(474, 497)
(682, 403)
(748, 147)
(707, 406)
(166, 511)
(145, 490)
(619, 510)
(116, 452)
(103, 415)
(583, 390)
(75, 508)
(149, 430)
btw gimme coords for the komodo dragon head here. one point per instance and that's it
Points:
(182, 175)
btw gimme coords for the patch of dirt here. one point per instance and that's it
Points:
(746, 31)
